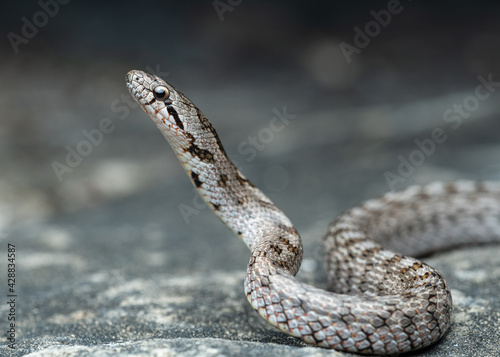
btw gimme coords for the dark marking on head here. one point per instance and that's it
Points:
(173, 112)
(196, 179)
(151, 101)
(202, 154)
(215, 206)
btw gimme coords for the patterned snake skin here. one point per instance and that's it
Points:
(383, 302)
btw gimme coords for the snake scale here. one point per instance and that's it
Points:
(380, 302)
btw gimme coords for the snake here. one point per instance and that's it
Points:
(377, 301)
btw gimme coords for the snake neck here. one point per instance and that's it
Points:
(245, 209)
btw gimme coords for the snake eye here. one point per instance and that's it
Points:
(161, 93)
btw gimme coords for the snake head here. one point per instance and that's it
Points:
(171, 110)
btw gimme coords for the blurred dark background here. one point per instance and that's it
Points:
(237, 61)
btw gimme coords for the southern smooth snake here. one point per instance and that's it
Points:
(380, 302)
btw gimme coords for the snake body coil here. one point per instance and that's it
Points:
(382, 302)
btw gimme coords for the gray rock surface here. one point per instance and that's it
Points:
(132, 277)
(120, 257)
